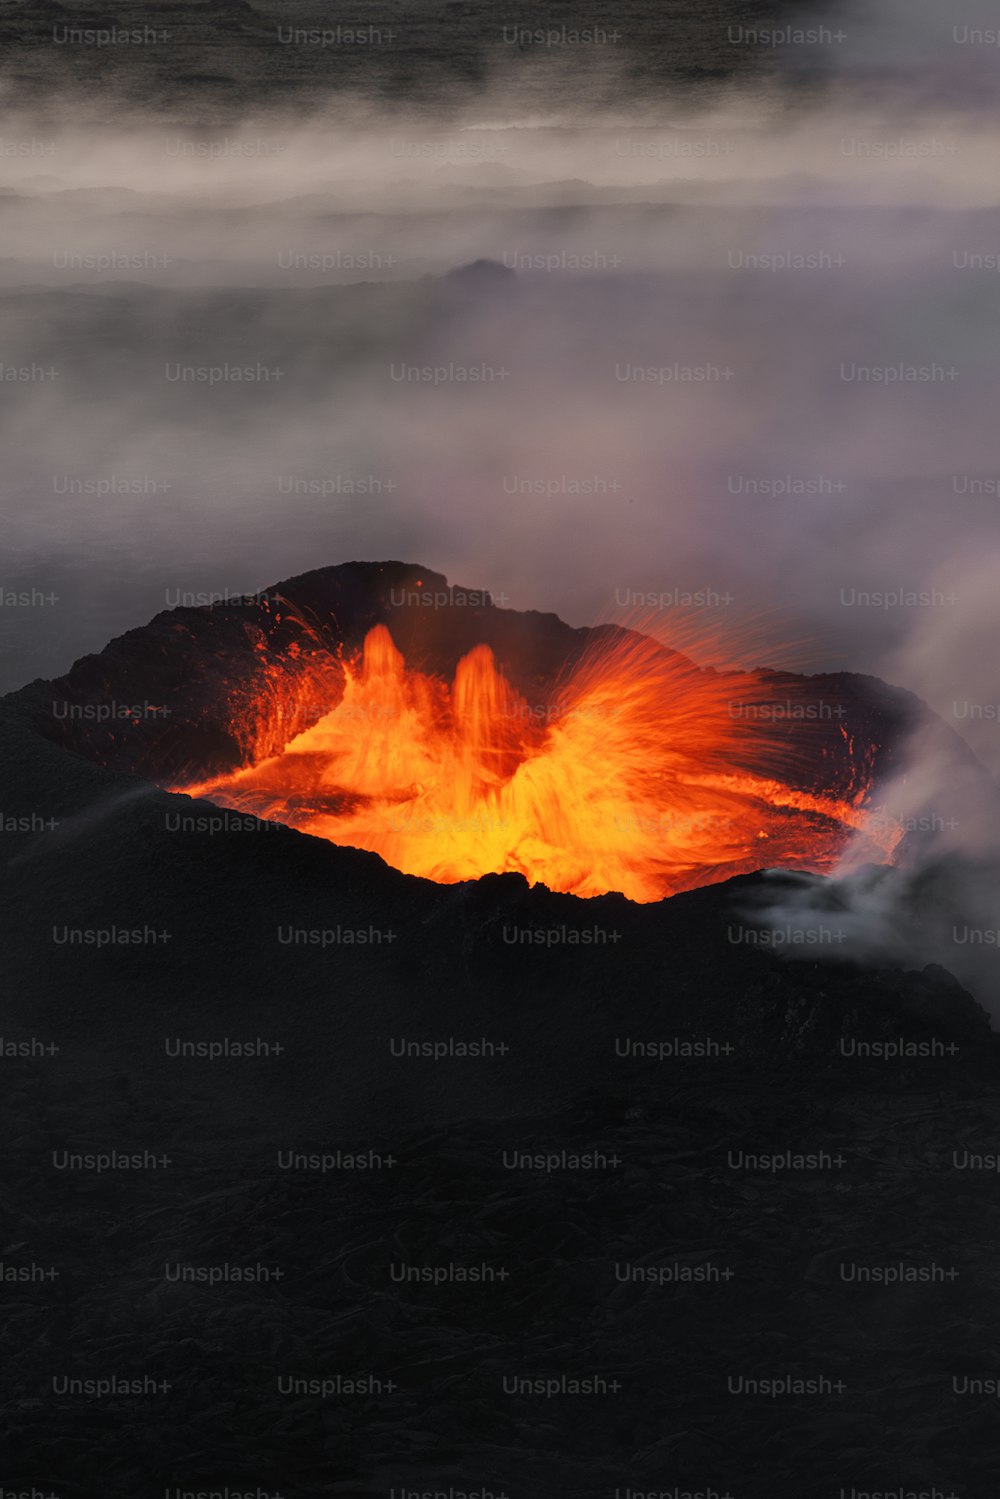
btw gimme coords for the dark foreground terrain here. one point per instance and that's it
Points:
(329, 1180)
(665, 1266)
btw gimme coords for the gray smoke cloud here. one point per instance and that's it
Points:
(732, 355)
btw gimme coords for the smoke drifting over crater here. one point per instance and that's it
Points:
(722, 354)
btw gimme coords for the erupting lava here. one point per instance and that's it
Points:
(634, 777)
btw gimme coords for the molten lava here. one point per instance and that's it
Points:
(641, 774)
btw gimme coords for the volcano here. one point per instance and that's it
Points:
(379, 707)
(229, 994)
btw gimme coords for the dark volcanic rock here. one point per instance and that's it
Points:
(737, 1055)
(676, 1063)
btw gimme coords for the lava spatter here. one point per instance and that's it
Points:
(632, 776)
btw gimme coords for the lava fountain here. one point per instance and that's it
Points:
(641, 773)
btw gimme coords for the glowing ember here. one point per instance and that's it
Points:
(632, 778)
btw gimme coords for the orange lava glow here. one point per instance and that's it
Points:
(634, 777)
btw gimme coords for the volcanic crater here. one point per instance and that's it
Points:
(377, 706)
